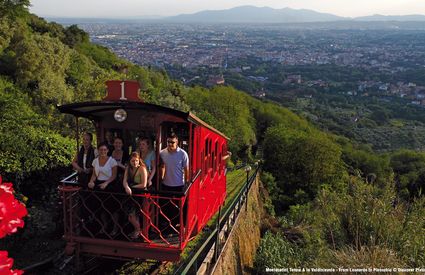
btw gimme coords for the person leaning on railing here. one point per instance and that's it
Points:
(135, 179)
(82, 162)
(103, 179)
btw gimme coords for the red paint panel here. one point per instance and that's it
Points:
(212, 191)
(122, 90)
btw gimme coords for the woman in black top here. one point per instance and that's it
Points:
(121, 158)
(82, 162)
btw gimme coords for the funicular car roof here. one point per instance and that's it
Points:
(96, 110)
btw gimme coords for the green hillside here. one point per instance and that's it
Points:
(43, 64)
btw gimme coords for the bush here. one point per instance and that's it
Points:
(276, 252)
(302, 162)
(27, 143)
(365, 223)
(365, 257)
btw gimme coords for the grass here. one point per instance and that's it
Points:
(396, 123)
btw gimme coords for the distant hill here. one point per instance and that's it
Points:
(378, 17)
(251, 14)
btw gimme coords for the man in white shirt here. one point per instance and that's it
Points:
(174, 173)
(174, 165)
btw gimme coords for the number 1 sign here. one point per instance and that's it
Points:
(118, 90)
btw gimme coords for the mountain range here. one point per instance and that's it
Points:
(251, 14)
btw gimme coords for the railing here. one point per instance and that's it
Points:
(95, 214)
(224, 226)
(164, 218)
(71, 179)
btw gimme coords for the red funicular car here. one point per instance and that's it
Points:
(124, 114)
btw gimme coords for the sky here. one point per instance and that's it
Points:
(131, 8)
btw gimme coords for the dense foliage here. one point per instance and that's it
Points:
(341, 205)
(27, 142)
(302, 162)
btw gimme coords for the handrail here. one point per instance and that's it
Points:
(235, 201)
(153, 192)
(175, 193)
(68, 180)
(193, 180)
(207, 245)
(209, 241)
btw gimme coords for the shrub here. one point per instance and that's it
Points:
(276, 252)
(365, 223)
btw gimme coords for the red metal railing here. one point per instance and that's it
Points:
(94, 214)
(167, 220)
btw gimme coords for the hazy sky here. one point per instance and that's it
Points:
(122, 8)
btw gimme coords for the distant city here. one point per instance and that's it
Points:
(217, 45)
(223, 49)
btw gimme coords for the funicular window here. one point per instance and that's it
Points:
(210, 154)
(213, 162)
(206, 156)
(129, 139)
(223, 153)
(215, 156)
(194, 155)
(180, 129)
(203, 164)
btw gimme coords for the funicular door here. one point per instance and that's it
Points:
(193, 194)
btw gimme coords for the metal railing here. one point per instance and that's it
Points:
(163, 216)
(104, 215)
(224, 225)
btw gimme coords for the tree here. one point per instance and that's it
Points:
(40, 63)
(368, 162)
(74, 36)
(14, 8)
(302, 162)
(409, 167)
(227, 110)
(27, 142)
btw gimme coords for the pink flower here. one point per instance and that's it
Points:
(11, 214)
(11, 210)
(6, 265)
